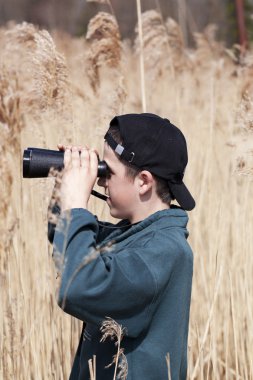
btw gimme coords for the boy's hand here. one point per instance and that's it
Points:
(79, 176)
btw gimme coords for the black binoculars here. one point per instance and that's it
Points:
(37, 163)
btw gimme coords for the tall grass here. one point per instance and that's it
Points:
(55, 88)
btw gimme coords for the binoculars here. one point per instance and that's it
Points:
(37, 163)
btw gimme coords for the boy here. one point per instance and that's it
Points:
(143, 281)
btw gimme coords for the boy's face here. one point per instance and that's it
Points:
(122, 190)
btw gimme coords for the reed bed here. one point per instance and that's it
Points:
(58, 89)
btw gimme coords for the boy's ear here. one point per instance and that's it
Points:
(145, 181)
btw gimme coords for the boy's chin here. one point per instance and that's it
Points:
(117, 214)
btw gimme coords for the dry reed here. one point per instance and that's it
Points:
(41, 69)
(154, 42)
(178, 52)
(208, 47)
(111, 329)
(210, 97)
(105, 47)
(12, 122)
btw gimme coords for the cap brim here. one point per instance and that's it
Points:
(183, 196)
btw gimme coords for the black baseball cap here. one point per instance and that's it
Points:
(154, 144)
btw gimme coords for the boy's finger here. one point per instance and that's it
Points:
(67, 158)
(93, 162)
(75, 157)
(80, 148)
(85, 158)
(94, 150)
(61, 147)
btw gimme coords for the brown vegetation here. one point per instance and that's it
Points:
(61, 90)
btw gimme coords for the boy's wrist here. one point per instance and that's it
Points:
(68, 203)
(73, 206)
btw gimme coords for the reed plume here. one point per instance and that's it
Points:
(11, 116)
(104, 68)
(244, 123)
(155, 41)
(11, 124)
(163, 46)
(104, 46)
(111, 329)
(178, 50)
(208, 48)
(41, 69)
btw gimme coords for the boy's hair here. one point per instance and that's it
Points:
(162, 189)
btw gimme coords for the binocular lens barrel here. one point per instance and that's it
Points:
(37, 163)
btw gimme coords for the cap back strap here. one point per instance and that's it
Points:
(118, 148)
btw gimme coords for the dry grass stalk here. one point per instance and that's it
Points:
(111, 329)
(60, 261)
(105, 46)
(92, 368)
(142, 71)
(202, 344)
(167, 357)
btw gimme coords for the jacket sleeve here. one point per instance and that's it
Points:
(54, 213)
(116, 284)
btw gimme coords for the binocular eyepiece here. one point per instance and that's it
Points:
(38, 162)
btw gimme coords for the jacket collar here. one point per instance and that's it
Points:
(172, 217)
